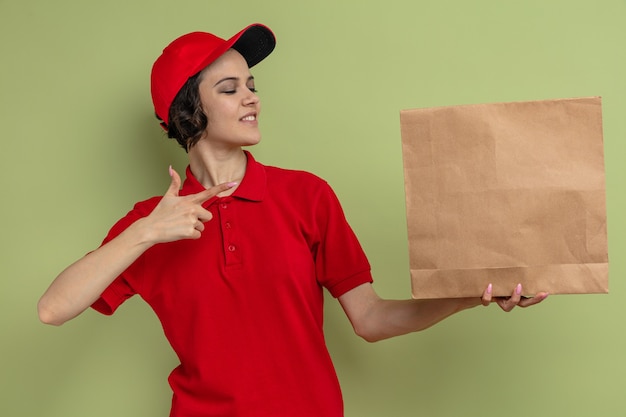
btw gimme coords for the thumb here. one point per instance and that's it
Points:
(175, 184)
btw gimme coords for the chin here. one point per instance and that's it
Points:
(251, 142)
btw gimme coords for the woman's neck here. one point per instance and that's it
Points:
(212, 167)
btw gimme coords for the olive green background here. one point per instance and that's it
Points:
(79, 146)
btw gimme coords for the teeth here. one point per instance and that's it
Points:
(249, 118)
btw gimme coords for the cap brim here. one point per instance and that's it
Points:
(254, 43)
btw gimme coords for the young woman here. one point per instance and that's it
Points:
(234, 263)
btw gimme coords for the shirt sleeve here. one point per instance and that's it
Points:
(125, 285)
(341, 263)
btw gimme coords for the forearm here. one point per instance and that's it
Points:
(374, 318)
(81, 283)
(389, 318)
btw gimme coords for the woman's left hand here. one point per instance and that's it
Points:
(516, 299)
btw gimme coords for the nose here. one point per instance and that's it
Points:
(251, 98)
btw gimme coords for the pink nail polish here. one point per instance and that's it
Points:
(232, 184)
(518, 289)
(489, 288)
(170, 171)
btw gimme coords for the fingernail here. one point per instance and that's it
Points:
(518, 289)
(489, 288)
(232, 184)
(170, 170)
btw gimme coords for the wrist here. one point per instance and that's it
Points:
(469, 302)
(140, 234)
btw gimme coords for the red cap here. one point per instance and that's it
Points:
(191, 53)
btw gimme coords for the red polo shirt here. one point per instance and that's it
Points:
(243, 305)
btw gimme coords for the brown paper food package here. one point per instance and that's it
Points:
(506, 193)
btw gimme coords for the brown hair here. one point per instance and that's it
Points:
(187, 120)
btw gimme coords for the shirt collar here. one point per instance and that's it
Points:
(252, 187)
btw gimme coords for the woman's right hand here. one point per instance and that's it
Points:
(176, 217)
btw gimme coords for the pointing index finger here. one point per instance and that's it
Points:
(203, 196)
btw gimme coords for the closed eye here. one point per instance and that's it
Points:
(252, 89)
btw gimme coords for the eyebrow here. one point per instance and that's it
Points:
(250, 78)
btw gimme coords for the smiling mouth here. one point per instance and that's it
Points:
(250, 118)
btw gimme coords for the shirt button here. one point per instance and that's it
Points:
(228, 225)
(231, 248)
(224, 205)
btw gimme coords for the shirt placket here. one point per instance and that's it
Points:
(230, 231)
